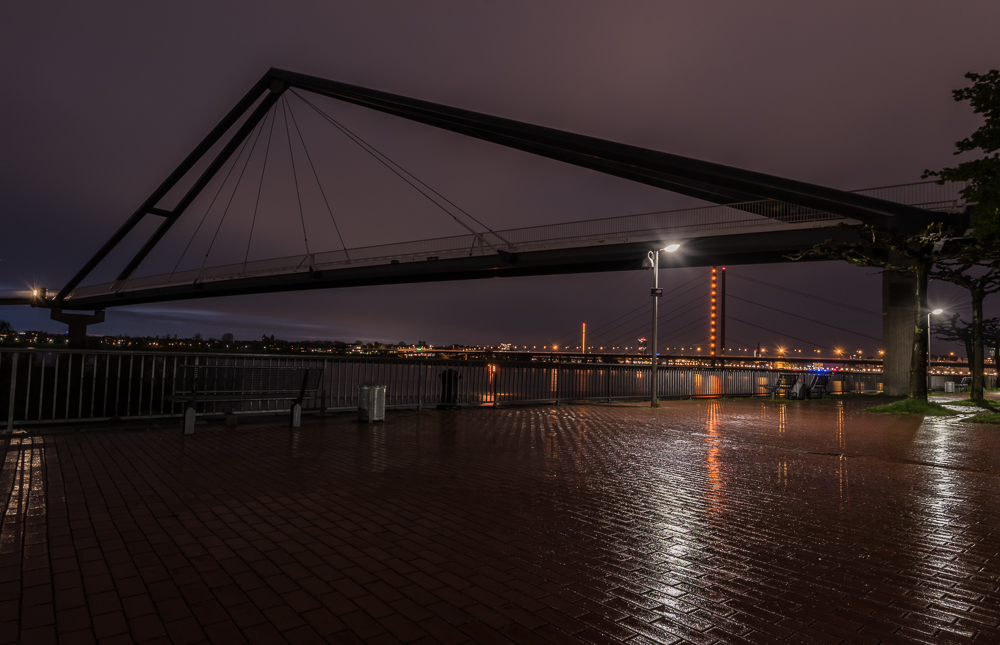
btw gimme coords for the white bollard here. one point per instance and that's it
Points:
(189, 420)
(296, 415)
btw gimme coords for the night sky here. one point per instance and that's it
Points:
(100, 103)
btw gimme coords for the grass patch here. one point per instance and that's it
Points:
(990, 404)
(993, 417)
(913, 406)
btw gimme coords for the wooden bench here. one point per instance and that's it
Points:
(818, 386)
(784, 384)
(227, 384)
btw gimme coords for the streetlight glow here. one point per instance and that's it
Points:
(670, 248)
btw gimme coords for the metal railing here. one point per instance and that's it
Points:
(929, 195)
(39, 386)
(613, 230)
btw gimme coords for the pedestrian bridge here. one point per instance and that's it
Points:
(752, 217)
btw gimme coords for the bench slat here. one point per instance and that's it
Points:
(237, 383)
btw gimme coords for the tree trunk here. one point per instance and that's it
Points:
(996, 361)
(976, 360)
(918, 361)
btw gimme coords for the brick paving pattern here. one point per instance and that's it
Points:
(730, 522)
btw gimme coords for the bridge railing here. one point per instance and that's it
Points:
(39, 386)
(611, 230)
(929, 195)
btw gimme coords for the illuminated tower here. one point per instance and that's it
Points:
(712, 319)
(717, 315)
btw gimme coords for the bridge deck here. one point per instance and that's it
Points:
(766, 230)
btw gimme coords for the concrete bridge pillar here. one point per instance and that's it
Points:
(77, 325)
(899, 311)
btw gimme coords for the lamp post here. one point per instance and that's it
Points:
(652, 261)
(935, 312)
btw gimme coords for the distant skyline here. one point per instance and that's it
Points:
(106, 99)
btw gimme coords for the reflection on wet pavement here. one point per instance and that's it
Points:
(704, 521)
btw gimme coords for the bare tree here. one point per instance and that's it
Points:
(955, 330)
(978, 270)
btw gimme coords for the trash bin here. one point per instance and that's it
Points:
(449, 388)
(949, 386)
(371, 402)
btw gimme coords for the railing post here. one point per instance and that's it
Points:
(496, 377)
(13, 390)
(420, 385)
(558, 381)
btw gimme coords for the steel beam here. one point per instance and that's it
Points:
(631, 162)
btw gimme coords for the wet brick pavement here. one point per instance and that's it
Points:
(703, 522)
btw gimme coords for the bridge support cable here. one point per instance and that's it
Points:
(662, 338)
(261, 112)
(677, 312)
(599, 331)
(740, 342)
(676, 309)
(239, 180)
(260, 187)
(295, 178)
(232, 167)
(319, 184)
(642, 309)
(680, 332)
(405, 175)
(810, 295)
(778, 333)
(812, 320)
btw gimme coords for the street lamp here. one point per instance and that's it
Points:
(935, 312)
(652, 261)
